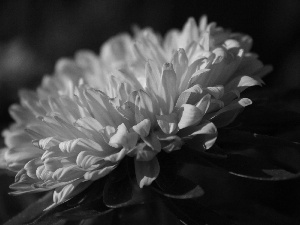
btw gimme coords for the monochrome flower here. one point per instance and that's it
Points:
(136, 99)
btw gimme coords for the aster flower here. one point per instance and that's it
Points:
(134, 102)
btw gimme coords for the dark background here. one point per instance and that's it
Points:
(34, 34)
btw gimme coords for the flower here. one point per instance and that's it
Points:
(136, 101)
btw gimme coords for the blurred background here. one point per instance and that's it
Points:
(34, 34)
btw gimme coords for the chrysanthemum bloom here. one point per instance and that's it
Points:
(159, 99)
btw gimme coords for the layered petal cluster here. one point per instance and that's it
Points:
(140, 96)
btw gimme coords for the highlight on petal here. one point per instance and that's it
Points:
(123, 138)
(168, 123)
(142, 128)
(203, 135)
(189, 115)
(146, 171)
(243, 82)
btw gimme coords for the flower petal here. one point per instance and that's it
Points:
(168, 123)
(167, 91)
(204, 103)
(189, 115)
(66, 192)
(227, 114)
(146, 171)
(180, 63)
(203, 135)
(17, 157)
(123, 138)
(142, 128)
(243, 82)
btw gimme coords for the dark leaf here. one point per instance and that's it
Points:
(120, 190)
(266, 118)
(194, 193)
(244, 137)
(258, 156)
(31, 211)
(84, 212)
(255, 168)
(192, 212)
(85, 200)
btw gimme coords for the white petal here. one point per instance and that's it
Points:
(146, 171)
(205, 134)
(123, 138)
(168, 123)
(15, 138)
(142, 128)
(167, 91)
(189, 115)
(204, 103)
(16, 158)
(65, 174)
(144, 107)
(217, 91)
(66, 192)
(97, 174)
(180, 62)
(190, 96)
(243, 82)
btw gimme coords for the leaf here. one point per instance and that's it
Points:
(85, 211)
(256, 139)
(117, 193)
(263, 117)
(194, 193)
(31, 211)
(85, 200)
(260, 157)
(120, 190)
(255, 168)
(181, 172)
(192, 212)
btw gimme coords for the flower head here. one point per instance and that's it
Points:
(135, 99)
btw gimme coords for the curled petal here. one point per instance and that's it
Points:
(203, 135)
(16, 158)
(63, 174)
(217, 91)
(204, 103)
(97, 174)
(167, 92)
(146, 171)
(142, 128)
(143, 107)
(142, 152)
(189, 115)
(168, 123)
(66, 192)
(190, 96)
(243, 82)
(123, 138)
(180, 62)
(152, 141)
(15, 138)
